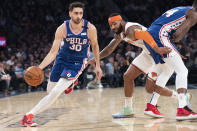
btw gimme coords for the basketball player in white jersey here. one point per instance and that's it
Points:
(141, 64)
(71, 59)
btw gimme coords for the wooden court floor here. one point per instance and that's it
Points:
(90, 110)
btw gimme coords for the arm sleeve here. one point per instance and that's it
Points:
(142, 34)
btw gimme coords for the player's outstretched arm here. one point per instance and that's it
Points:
(59, 34)
(95, 49)
(109, 48)
(135, 34)
(191, 20)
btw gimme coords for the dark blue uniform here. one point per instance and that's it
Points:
(72, 56)
(163, 28)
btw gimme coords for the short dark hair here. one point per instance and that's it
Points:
(114, 14)
(75, 5)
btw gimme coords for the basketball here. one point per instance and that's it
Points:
(34, 76)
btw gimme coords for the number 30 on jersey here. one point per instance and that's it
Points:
(76, 43)
(75, 47)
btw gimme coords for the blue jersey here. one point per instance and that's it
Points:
(171, 15)
(75, 46)
(72, 57)
(163, 28)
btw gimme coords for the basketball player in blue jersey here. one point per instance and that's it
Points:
(169, 28)
(70, 58)
(141, 64)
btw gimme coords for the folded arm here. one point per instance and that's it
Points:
(191, 20)
(134, 33)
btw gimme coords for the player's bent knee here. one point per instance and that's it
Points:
(184, 71)
(149, 90)
(128, 76)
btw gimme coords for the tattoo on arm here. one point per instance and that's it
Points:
(130, 33)
(110, 48)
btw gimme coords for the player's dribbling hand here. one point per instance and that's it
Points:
(90, 62)
(98, 72)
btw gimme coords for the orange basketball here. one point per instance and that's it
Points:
(34, 76)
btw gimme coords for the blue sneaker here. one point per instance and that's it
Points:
(125, 112)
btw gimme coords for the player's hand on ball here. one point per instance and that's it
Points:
(34, 76)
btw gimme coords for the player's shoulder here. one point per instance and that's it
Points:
(91, 26)
(62, 26)
(60, 31)
(134, 25)
(192, 13)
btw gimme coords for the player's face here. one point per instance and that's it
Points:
(116, 27)
(76, 15)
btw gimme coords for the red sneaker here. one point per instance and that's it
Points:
(70, 88)
(185, 114)
(152, 110)
(27, 121)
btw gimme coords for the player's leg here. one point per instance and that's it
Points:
(70, 88)
(129, 76)
(50, 86)
(183, 111)
(151, 87)
(48, 100)
(155, 83)
(53, 93)
(139, 65)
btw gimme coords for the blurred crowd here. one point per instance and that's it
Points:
(29, 28)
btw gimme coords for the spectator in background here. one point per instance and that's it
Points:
(123, 68)
(11, 61)
(19, 72)
(4, 80)
(89, 76)
(104, 69)
(110, 71)
(117, 75)
(13, 83)
(130, 51)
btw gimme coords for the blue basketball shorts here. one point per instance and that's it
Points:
(68, 71)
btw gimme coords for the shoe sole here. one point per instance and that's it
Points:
(190, 117)
(123, 116)
(150, 113)
(26, 125)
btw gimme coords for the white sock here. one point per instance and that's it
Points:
(49, 99)
(182, 100)
(154, 98)
(128, 101)
(174, 94)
